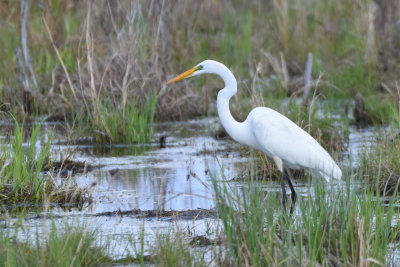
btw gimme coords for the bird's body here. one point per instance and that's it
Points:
(268, 131)
(278, 136)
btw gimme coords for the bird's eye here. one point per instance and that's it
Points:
(200, 67)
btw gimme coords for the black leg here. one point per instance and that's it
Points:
(294, 197)
(283, 191)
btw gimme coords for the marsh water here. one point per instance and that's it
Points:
(155, 188)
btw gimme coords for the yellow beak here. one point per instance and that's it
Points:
(184, 75)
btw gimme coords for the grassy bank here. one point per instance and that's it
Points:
(92, 62)
(22, 180)
(332, 226)
(72, 246)
(382, 161)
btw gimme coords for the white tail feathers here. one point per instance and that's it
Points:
(329, 169)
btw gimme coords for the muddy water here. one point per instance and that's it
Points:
(131, 179)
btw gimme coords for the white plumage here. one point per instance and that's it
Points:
(268, 131)
(279, 136)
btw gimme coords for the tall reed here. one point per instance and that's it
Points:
(333, 225)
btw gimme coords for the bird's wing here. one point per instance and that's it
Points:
(279, 136)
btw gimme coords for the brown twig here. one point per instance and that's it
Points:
(59, 58)
(89, 48)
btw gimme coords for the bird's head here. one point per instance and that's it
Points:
(207, 66)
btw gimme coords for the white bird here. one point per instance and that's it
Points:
(268, 131)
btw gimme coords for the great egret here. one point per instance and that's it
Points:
(268, 131)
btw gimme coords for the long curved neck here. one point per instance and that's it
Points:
(235, 129)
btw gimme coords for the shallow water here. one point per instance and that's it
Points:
(174, 178)
(131, 178)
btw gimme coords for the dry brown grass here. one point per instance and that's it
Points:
(113, 50)
(64, 196)
(128, 58)
(383, 162)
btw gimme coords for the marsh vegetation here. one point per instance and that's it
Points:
(91, 133)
